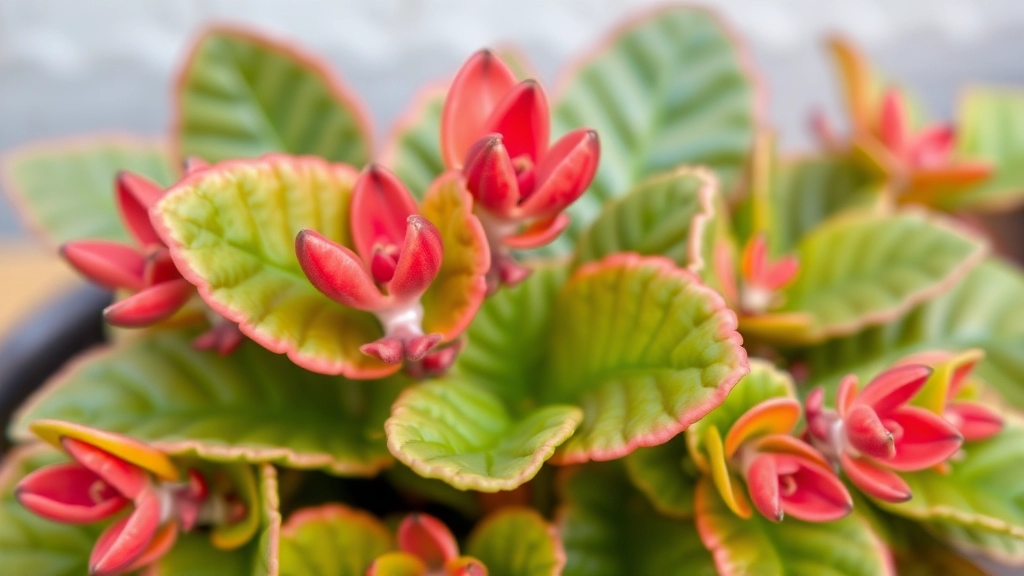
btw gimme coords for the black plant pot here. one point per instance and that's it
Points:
(41, 345)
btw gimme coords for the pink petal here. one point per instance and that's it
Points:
(894, 387)
(224, 338)
(150, 305)
(195, 164)
(109, 264)
(381, 204)
(427, 538)
(337, 272)
(125, 540)
(873, 481)
(974, 421)
(933, 147)
(465, 566)
(419, 261)
(161, 544)
(128, 479)
(819, 495)
(135, 195)
(540, 233)
(490, 177)
(160, 268)
(780, 273)
(508, 270)
(564, 174)
(387, 350)
(893, 124)
(524, 122)
(754, 259)
(437, 362)
(763, 486)
(866, 433)
(926, 439)
(482, 82)
(382, 265)
(846, 394)
(69, 493)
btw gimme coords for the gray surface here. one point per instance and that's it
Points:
(78, 66)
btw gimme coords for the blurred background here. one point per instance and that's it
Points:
(72, 67)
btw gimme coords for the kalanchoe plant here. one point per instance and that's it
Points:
(669, 385)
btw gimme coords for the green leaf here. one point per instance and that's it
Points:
(331, 540)
(672, 88)
(242, 95)
(981, 494)
(758, 546)
(414, 149)
(33, 545)
(253, 406)
(982, 311)
(990, 128)
(666, 476)
(517, 542)
(65, 189)
(609, 529)
(644, 348)
(665, 215)
(863, 269)
(462, 433)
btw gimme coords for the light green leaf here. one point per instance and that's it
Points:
(672, 88)
(666, 476)
(253, 406)
(982, 311)
(609, 530)
(65, 189)
(990, 128)
(414, 149)
(331, 540)
(864, 269)
(461, 432)
(242, 95)
(517, 542)
(665, 215)
(845, 547)
(29, 544)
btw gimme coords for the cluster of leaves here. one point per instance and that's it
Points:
(616, 353)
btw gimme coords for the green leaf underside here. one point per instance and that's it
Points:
(462, 433)
(233, 233)
(608, 529)
(981, 311)
(990, 128)
(793, 548)
(516, 542)
(671, 89)
(66, 190)
(809, 191)
(332, 540)
(664, 215)
(981, 495)
(866, 269)
(252, 406)
(763, 382)
(661, 474)
(32, 545)
(415, 153)
(644, 349)
(242, 96)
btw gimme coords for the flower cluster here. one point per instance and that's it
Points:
(426, 546)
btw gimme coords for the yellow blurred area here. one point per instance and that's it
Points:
(30, 275)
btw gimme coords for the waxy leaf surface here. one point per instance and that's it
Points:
(671, 88)
(332, 540)
(253, 406)
(242, 95)
(517, 542)
(65, 190)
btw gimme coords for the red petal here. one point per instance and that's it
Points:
(763, 486)
(109, 264)
(482, 82)
(160, 268)
(523, 120)
(417, 348)
(893, 125)
(465, 566)
(846, 394)
(419, 261)
(381, 204)
(933, 147)
(224, 338)
(866, 433)
(509, 271)
(149, 306)
(820, 495)
(135, 195)
(337, 272)
(69, 493)
(125, 540)
(926, 440)
(387, 350)
(564, 173)
(490, 176)
(974, 421)
(882, 484)
(126, 478)
(780, 273)
(893, 388)
(427, 538)
(754, 259)
(161, 544)
(540, 233)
